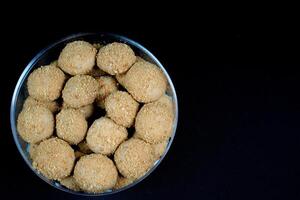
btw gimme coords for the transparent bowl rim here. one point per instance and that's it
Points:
(24, 75)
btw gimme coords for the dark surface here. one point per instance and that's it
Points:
(238, 132)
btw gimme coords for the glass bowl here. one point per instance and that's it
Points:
(51, 53)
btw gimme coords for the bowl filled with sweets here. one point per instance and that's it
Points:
(94, 114)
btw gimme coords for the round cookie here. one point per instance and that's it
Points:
(54, 158)
(95, 173)
(45, 83)
(80, 90)
(121, 108)
(104, 136)
(115, 58)
(71, 125)
(35, 124)
(77, 57)
(133, 158)
(144, 81)
(154, 123)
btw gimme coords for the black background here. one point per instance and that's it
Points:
(239, 106)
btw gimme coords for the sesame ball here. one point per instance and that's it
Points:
(45, 83)
(80, 90)
(104, 136)
(154, 123)
(71, 125)
(134, 158)
(77, 57)
(121, 108)
(144, 81)
(95, 173)
(54, 159)
(35, 124)
(115, 58)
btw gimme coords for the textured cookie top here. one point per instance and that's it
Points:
(35, 124)
(115, 58)
(121, 108)
(45, 83)
(80, 90)
(77, 57)
(154, 122)
(95, 173)
(71, 125)
(104, 136)
(70, 183)
(54, 158)
(133, 158)
(144, 81)
(122, 182)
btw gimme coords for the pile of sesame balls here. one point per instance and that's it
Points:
(96, 154)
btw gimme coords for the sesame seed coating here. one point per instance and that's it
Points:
(31, 102)
(107, 85)
(32, 150)
(133, 158)
(35, 124)
(115, 58)
(45, 83)
(159, 149)
(121, 108)
(122, 182)
(77, 57)
(70, 183)
(95, 173)
(167, 101)
(71, 125)
(54, 159)
(154, 122)
(87, 110)
(104, 136)
(120, 78)
(80, 90)
(144, 81)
